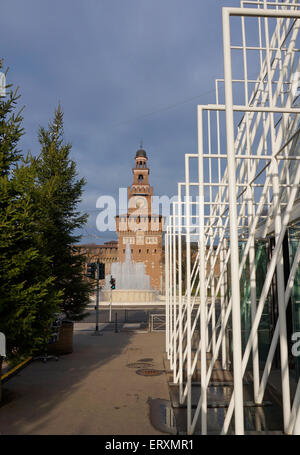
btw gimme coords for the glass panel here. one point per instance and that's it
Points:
(294, 237)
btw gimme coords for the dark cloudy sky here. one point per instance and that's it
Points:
(123, 70)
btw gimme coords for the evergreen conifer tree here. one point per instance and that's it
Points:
(28, 298)
(60, 192)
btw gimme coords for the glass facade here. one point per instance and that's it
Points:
(294, 238)
(265, 326)
(263, 250)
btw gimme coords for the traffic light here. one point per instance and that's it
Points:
(101, 271)
(112, 283)
(91, 269)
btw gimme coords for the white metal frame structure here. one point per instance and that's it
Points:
(242, 186)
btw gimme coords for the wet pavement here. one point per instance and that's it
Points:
(267, 417)
(264, 419)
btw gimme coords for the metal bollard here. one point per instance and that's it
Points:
(116, 322)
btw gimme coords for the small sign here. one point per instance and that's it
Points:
(2, 85)
(2, 345)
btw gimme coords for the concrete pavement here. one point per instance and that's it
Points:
(91, 391)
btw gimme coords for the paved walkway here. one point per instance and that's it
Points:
(91, 391)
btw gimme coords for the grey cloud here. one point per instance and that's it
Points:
(110, 62)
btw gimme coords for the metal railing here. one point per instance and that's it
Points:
(157, 322)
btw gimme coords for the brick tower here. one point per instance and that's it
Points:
(142, 229)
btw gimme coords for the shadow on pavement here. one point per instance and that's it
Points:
(30, 397)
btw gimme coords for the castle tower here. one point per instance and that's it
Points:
(140, 193)
(142, 229)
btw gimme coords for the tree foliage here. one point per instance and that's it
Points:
(28, 297)
(41, 272)
(59, 191)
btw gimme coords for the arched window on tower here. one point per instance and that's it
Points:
(140, 178)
